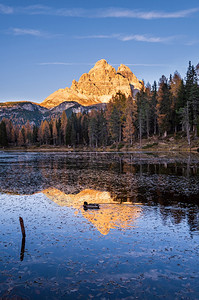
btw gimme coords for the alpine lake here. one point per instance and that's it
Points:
(142, 243)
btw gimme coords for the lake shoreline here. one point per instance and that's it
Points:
(97, 150)
(152, 144)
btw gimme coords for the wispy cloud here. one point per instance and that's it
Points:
(131, 37)
(145, 38)
(143, 65)
(99, 36)
(31, 32)
(34, 10)
(64, 64)
(97, 13)
(92, 64)
(147, 15)
(4, 9)
(192, 42)
(23, 31)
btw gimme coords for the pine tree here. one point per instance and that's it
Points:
(45, 130)
(54, 132)
(141, 100)
(3, 134)
(35, 135)
(192, 95)
(186, 121)
(9, 128)
(115, 116)
(180, 104)
(129, 127)
(148, 108)
(164, 106)
(23, 131)
(102, 127)
(175, 85)
(84, 126)
(20, 139)
(72, 138)
(93, 129)
(13, 137)
(154, 108)
(63, 127)
(58, 124)
(28, 133)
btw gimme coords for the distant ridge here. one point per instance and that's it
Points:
(20, 112)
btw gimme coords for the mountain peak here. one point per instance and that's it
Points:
(123, 68)
(101, 63)
(96, 86)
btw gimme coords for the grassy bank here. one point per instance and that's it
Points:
(152, 144)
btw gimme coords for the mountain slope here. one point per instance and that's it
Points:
(21, 112)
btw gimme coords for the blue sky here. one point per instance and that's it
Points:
(44, 45)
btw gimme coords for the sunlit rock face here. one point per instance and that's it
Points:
(97, 86)
(110, 215)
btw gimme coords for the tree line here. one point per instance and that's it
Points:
(168, 107)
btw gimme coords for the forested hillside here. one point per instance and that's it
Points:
(167, 107)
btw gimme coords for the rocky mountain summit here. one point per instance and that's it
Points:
(93, 90)
(97, 86)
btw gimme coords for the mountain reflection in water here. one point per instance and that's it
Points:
(142, 242)
(110, 215)
(169, 182)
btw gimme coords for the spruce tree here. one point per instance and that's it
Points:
(154, 108)
(164, 106)
(3, 135)
(192, 95)
(129, 124)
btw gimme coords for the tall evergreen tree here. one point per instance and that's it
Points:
(103, 131)
(129, 124)
(54, 132)
(164, 106)
(93, 129)
(154, 102)
(116, 116)
(141, 101)
(3, 134)
(63, 127)
(84, 127)
(192, 95)
(45, 132)
(148, 108)
(35, 134)
(175, 86)
(180, 104)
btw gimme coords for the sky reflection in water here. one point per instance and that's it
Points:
(142, 242)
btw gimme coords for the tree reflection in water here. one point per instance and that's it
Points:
(141, 243)
(171, 182)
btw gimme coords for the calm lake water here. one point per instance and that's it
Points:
(143, 242)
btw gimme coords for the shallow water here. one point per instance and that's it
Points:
(142, 243)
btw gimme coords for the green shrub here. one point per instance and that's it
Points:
(120, 146)
(113, 146)
(149, 146)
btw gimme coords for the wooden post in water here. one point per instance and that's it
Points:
(23, 243)
(22, 227)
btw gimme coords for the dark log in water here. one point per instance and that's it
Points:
(22, 227)
(23, 242)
